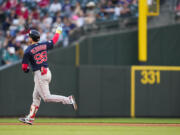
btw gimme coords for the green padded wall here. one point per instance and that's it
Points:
(104, 91)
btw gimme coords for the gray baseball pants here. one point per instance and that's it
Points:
(41, 90)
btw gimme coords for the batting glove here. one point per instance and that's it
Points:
(27, 70)
(59, 29)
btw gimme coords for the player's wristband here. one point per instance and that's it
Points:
(58, 31)
(25, 68)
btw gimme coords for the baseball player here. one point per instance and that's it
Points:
(36, 56)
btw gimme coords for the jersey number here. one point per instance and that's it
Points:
(41, 57)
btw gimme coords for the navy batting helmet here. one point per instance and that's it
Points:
(35, 35)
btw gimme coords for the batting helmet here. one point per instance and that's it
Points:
(35, 35)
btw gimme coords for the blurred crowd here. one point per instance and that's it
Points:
(17, 16)
(177, 10)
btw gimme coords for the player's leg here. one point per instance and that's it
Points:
(44, 81)
(34, 106)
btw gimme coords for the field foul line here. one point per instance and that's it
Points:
(100, 124)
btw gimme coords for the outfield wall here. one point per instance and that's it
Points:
(101, 91)
(92, 70)
(104, 91)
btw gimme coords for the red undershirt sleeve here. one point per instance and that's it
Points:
(55, 38)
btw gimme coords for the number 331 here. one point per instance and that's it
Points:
(150, 77)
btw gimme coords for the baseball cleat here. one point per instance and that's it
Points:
(26, 120)
(72, 99)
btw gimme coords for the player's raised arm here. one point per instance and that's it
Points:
(58, 32)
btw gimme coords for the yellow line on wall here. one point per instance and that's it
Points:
(163, 68)
(77, 55)
(132, 92)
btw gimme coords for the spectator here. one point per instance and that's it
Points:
(68, 26)
(9, 56)
(55, 7)
(134, 8)
(56, 23)
(78, 9)
(20, 37)
(103, 15)
(109, 9)
(45, 36)
(6, 5)
(177, 10)
(43, 3)
(35, 14)
(2, 16)
(21, 10)
(126, 12)
(7, 39)
(46, 22)
(78, 16)
(90, 13)
(18, 8)
(78, 19)
(68, 30)
(12, 15)
(117, 10)
(67, 8)
(57, 15)
(1, 39)
(6, 24)
(11, 43)
(19, 50)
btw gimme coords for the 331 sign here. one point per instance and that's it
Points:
(150, 77)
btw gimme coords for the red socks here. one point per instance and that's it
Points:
(33, 111)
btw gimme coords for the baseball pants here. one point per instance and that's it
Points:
(41, 90)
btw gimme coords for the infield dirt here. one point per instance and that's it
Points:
(100, 124)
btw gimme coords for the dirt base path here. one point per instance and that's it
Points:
(99, 124)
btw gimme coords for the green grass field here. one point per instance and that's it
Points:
(90, 130)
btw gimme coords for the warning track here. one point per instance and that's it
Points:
(100, 124)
